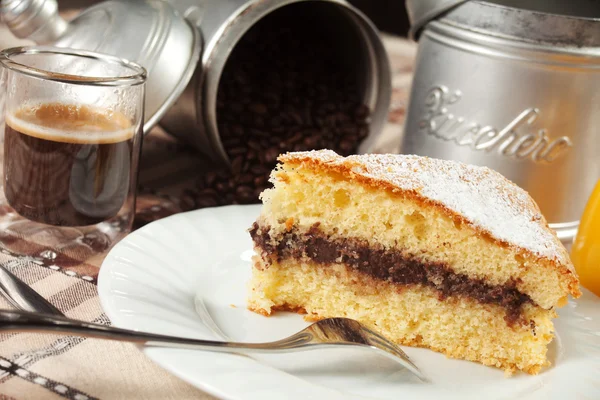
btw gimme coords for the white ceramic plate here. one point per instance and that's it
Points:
(149, 281)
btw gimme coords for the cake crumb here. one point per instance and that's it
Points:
(232, 306)
(260, 311)
(289, 224)
(312, 318)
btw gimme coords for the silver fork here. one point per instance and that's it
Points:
(325, 333)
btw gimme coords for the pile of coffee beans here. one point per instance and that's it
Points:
(286, 87)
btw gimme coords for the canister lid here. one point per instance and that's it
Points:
(574, 23)
(420, 12)
(149, 32)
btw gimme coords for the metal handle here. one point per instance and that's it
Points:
(326, 335)
(37, 20)
(22, 321)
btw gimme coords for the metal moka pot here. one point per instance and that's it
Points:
(185, 44)
(515, 86)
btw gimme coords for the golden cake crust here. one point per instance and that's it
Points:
(478, 197)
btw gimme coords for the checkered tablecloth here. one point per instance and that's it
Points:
(35, 366)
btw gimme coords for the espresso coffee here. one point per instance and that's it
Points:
(67, 165)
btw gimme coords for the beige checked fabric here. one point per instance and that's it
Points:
(35, 366)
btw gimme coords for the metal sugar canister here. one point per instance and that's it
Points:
(185, 45)
(515, 86)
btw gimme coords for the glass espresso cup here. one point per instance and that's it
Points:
(71, 145)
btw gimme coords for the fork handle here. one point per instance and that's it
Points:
(24, 321)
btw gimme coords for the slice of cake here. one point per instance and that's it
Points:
(430, 253)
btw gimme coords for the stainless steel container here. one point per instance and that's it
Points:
(517, 90)
(420, 12)
(224, 22)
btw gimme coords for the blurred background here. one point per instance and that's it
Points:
(389, 15)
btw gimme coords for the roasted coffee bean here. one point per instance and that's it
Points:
(261, 159)
(254, 144)
(236, 165)
(257, 170)
(202, 202)
(259, 122)
(248, 179)
(272, 99)
(210, 178)
(363, 131)
(236, 107)
(258, 108)
(311, 141)
(247, 165)
(346, 146)
(221, 187)
(361, 112)
(260, 181)
(295, 138)
(210, 193)
(282, 91)
(276, 121)
(187, 201)
(271, 155)
(237, 130)
(252, 155)
(229, 198)
(244, 194)
(232, 183)
(259, 134)
(237, 151)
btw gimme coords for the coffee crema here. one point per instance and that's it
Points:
(67, 165)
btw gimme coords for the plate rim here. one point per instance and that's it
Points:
(104, 285)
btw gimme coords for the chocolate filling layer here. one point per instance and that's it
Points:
(388, 265)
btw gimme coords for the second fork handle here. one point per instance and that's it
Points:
(20, 295)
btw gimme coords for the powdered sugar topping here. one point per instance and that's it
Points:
(480, 195)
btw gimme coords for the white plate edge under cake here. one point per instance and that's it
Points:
(169, 359)
(139, 261)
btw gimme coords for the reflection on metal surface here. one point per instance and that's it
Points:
(514, 140)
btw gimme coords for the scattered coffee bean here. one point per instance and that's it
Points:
(210, 178)
(188, 201)
(221, 187)
(244, 194)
